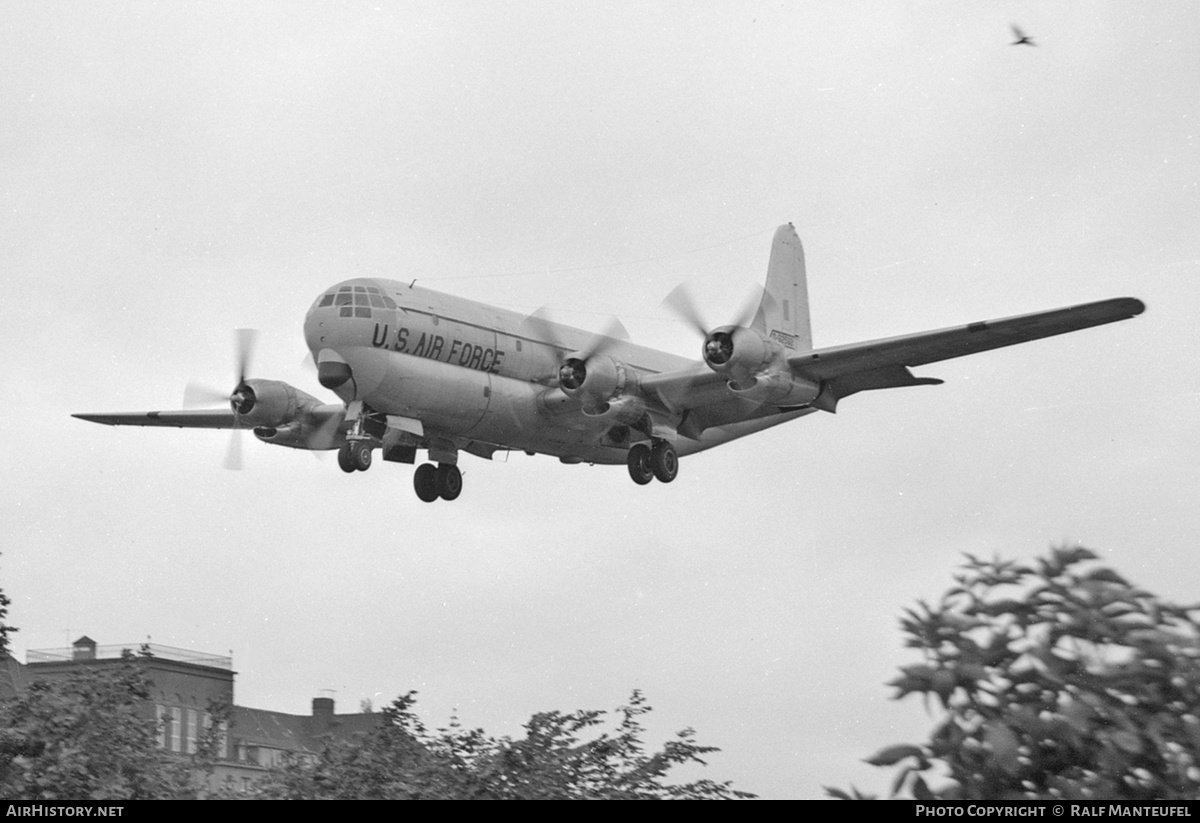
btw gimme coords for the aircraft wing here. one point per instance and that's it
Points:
(207, 419)
(878, 364)
(944, 344)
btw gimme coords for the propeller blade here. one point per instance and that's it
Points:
(196, 395)
(758, 296)
(681, 303)
(540, 325)
(244, 343)
(614, 332)
(233, 454)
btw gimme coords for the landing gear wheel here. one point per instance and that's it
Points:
(361, 453)
(449, 481)
(665, 461)
(425, 481)
(641, 469)
(346, 459)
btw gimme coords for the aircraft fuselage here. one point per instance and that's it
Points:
(469, 370)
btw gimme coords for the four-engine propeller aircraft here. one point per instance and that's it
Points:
(418, 370)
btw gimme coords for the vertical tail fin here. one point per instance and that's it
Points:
(783, 313)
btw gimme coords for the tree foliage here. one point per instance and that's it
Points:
(87, 736)
(561, 757)
(5, 629)
(1056, 680)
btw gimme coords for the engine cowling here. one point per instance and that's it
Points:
(739, 353)
(264, 403)
(756, 367)
(594, 380)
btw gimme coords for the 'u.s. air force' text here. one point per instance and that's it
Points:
(433, 347)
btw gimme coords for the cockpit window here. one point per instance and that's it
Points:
(362, 311)
(343, 299)
(327, 300)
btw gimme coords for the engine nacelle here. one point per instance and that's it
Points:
(291, 434)
(626, 409)
(778, 389)
(739, 353)
(264, 403)
(594, 380)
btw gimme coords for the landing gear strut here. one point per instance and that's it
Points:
(648, 462)
(443, 480)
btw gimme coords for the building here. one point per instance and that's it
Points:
(192, 697)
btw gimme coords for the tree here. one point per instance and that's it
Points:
(560, 757)
(1056, 680)
(87, 736)
(5, 629)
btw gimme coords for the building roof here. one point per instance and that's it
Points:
(296, 732)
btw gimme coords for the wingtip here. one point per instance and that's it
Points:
(1136, 306)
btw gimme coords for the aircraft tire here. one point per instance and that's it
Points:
(425, 482)
(641, 466)
(449, 481)
(346, 459)
(665, 461)
(361, 453)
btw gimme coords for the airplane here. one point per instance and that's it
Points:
(416, 370)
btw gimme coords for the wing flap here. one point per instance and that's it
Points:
(944, 344)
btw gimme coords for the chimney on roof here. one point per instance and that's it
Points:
(322, 714)
(83, 649)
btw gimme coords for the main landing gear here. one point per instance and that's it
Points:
(443, 480)
(355, 456)
(648, 462)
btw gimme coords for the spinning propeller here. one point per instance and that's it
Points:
(241, 400)
(718, 342)
(572, 371)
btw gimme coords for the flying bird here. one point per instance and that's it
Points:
(1022, 38)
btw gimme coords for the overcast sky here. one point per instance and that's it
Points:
(170, 172)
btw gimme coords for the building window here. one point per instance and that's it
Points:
(191, 731)
(176, 727)
(160, 724)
